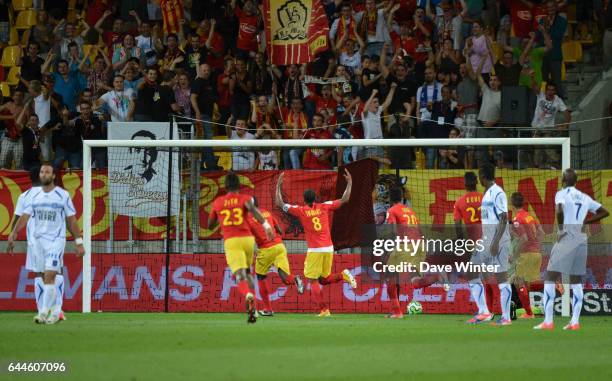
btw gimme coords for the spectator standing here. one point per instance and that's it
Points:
(242, 159)
(47, 106)
(203, 97)
(31, 64)
(119, 101)
(241, 87)
(453, 157)
(91, 128)
(155, 101)
(195, 54)
(555, 26)
(478, 46)
(489, 116)
(508, 71)
(427, 95)
(11, 148)
(43, 32)
(30, 137)
(125, 51)
(248, 28)
(372, 123)
(68, 83)
(216, 46)
(318, 158)
(98, 75)
(68, 143)
(295, 123)
(467, 107)
(146, 44)
(182, 94)
(372, 28)
(70, 36)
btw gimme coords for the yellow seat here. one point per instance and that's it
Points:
(26, 19)
(20, 5)
(13, 37)
(498, 50)
(225, 158)
(5, 89)
(563, 71)
(13, 75)
(11, 55)
(572, 51)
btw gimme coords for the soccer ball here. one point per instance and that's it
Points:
(414, 308)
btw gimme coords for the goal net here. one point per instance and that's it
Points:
(145, 218)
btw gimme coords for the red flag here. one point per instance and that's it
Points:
(296, 30)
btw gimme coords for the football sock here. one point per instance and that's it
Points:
(315, 289)
(505, 297)
(59, 293)
(332, 278)
(491, 295)
(265, 294)
(577, 295)
(523, 295)
(478, 294)
(243, 288)
(48, 298)
(39, 288)
(549, 302)
(289, 279)
(394, 299)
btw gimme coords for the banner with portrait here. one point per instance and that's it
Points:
(138, 176)
(296, 30)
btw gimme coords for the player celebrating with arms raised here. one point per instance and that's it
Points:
(271, 252)
(238, 241)
(496, 242)
(569, 254)
(314, 217)
(51, 208)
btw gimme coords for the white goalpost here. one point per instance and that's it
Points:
(560, 142)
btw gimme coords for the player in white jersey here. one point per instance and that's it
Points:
(496, 243)
(569, 254)
(51, 209)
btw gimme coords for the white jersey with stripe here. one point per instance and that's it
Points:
(49, 211)
(494, 203)
(22, 201)
(576, 205)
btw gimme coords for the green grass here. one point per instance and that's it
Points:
(288, 347)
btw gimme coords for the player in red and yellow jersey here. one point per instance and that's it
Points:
(230, 211)
(526, 256)
(406, 224)
(271, 252)
(314, 217)
(467, 209)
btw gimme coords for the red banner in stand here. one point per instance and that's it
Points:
(203, 283)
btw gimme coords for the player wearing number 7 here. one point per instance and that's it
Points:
(569, 254)
(314, 217)
(238, 240)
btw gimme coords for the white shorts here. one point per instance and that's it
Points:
(35, 261)
(484, 257)
(46, 255)
(568, 256)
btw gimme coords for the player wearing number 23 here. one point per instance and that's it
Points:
(231, 211)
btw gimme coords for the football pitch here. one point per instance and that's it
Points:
(150, 346)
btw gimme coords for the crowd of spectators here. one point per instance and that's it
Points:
(394, 69)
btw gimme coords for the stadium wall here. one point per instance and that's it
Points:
(203, 283)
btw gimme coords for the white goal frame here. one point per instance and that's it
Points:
(279, 143)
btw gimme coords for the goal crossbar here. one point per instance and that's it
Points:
(563, 142)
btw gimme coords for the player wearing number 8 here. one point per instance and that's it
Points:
(238, 241)
(314, 217)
